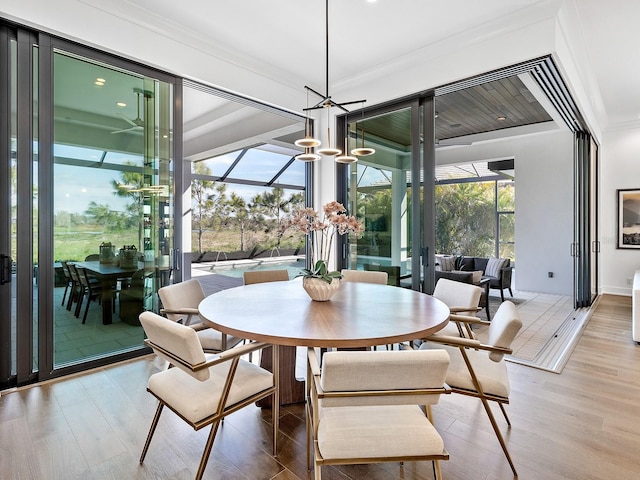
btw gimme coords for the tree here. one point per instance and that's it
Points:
(275, 206)
(240, 214)
(465, 219)
(208, 200)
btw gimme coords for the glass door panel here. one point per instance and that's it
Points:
(113, 208)
(8, 208)
(379, 193)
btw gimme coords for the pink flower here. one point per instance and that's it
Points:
(322, 231)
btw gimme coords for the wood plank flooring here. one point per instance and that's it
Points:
(581, 424)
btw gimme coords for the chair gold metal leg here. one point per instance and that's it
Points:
(275, 403)
(437, 472)
(154, 424)
(207, 449)
(487, 408)
(496, 429)
(504, 412)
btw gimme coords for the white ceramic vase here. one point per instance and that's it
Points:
(319, 290)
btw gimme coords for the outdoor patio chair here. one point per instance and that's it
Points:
(202, 388)
(69, 281)
(479, 369)
(364, 407)
(92, 289)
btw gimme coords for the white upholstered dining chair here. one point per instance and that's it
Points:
(478, 369)
(460, 297)
(202, 388)
(180, 304)
(364, 276)
(261, 276)
(364, 407)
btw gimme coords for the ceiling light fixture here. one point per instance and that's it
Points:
(325, 100)
(361, 151)
(308, 141)
(346, 158)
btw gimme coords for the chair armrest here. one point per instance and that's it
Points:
(212, 359)
(468, 319)
(454, 341)
(467, 343)
(238, 351)
(314, 364)
(180, 311)
(463, 309)
(505, 275)
(188, 311)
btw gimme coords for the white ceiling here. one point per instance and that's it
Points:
(270, 49)
(285, 39)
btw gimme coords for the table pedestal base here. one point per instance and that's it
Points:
(291, 390)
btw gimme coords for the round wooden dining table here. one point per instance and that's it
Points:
(358, 315)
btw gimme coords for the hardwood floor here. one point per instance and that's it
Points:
(581, 424)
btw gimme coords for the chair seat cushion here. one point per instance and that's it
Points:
(450, 330)
(493, 376)
(211, 340)
(196, 400)
(377, 432)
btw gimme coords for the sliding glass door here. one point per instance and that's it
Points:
(385, 190)
(87, 185)
(112, 208)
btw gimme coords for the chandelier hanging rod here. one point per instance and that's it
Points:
(326, 100)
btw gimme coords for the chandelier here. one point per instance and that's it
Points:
(308, 142)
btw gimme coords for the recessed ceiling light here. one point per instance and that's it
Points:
(501, 118)
(100, 84)
(121, 104)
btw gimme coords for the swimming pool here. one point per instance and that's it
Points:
(236, 268)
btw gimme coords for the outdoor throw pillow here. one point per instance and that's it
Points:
(494, 265)
(447, 264)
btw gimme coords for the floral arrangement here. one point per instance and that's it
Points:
(321, 233)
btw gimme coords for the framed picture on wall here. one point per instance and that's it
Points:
(629, 218)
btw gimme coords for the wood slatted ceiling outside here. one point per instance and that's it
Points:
(465, 112)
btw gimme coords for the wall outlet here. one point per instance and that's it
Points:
(629, 282)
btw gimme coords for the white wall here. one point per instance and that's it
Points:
(544, 205)
(620, 169)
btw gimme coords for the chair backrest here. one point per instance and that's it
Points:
(458, 294)
(65, 270)
(178, 340)
(504, 327)
(262, 276)
(92, 257)
(73, 271)
(377, 371)
(82, 277)
(187, 294)
(364, 276)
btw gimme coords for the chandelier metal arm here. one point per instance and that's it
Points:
(326, 101)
